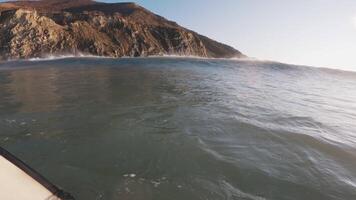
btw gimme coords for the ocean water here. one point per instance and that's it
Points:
(183, 128)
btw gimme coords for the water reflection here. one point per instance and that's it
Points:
(35, 90)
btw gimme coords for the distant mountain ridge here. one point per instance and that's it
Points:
(55, 27)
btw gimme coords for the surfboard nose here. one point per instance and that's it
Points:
(20, 181)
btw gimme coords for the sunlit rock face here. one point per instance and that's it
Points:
(82, 27)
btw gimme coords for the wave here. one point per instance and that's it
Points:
(82, 55)
(178, 56)
(64, 56)
(209, 58)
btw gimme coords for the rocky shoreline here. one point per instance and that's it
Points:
(35, 29)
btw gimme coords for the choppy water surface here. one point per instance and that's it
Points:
(174, 128)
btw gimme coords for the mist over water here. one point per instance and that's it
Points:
(182, 128)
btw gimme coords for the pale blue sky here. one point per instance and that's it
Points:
(310, 32)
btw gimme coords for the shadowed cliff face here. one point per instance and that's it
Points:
(54, 27)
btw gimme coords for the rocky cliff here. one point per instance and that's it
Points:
(55, 27)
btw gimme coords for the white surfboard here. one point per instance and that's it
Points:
(20, 182)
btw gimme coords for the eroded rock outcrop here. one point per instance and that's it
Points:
(41, 28)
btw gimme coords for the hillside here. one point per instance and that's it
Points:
(54, 27)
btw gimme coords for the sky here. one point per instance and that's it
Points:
(319, 33)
